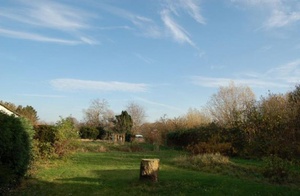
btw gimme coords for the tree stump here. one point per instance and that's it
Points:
(149, 169)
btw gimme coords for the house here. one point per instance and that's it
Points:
(4, 110)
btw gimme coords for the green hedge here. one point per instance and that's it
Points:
(86, 132)
(15, 149)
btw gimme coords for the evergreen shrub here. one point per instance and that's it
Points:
(15, 149)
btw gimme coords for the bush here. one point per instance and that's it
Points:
(276, 169)
(44, 140)
(45, 133)
(202, 160)
(66, 133)
(209, 147)
(15, 149)
(86, 132)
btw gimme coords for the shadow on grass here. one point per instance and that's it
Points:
(171, 182)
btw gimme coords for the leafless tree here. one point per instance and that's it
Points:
(195, 117)
(230, 104)
(98, 113)
(138, 115)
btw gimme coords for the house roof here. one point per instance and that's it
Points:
(5, 110)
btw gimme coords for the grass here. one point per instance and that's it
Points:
(115, 171)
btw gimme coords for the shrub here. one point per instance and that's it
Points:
(66, 133)
(202, 161)
(208, 147)
(15, 149)
(45, 133)
(86, 132)
(276, 169)
(44, 140)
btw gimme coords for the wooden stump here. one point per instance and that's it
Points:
(149, 169)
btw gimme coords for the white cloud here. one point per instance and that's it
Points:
(88, 85)
(144, 58)
(191, 7)
(217, 82)
(38, 15)
(173, 10)
(48, 14)
(35, 37)
(281, 13)
(158, 104)
(43, 96)
(146, 26)
(179, 34)
(280, 18)
(283, 76)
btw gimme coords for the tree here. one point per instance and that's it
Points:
(123, 123)
(194, 118)
(98, 114)
(28, 112)
(138, 115)
(229, 106)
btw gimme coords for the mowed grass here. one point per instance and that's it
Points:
(117, 173)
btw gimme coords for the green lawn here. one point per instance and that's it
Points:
(117, 173)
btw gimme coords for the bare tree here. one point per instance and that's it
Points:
(230, 104)
(138, 115)
(98, 114)
(195, 117)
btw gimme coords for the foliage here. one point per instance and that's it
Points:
(202, 160)
(15, 149)
(45, 133)
(79, 175)
(27, 112)
(66, 132)
(270, 128)
(87, 132)
(229, 106)
(210, 147)
(252, 128)
(55, 140)
(276, 169)
(123, 123)
(44, 140)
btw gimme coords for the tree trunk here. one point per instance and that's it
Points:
(149, 169)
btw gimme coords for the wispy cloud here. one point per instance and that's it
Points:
(36, 37)
(217, 82)
(283, 76)
(158, 104)
(88, 85)
(191, 7)
(281, 13)
(145, 26)
(48, 14)
(41, 15)
(173, 10)
(179, 34)
(42, 96)
(144, 58)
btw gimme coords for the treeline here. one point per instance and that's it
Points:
(27, 112)
(24, 142)
(241, 126)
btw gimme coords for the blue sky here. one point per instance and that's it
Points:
(166, 55)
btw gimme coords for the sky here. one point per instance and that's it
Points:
(165, 55)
